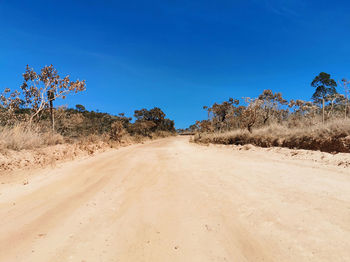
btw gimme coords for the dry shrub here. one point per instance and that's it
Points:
(22, 136)
(117, 131)
(138, 138)
(332, 137)
(162, 134)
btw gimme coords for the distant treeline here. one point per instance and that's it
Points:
(271, 121)
(271, 108)
(32, 105)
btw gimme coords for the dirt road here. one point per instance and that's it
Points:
(170, 200)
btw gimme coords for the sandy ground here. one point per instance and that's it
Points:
(170, 200)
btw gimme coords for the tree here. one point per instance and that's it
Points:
(221, 112)
(155, 114)
(271, 104)
(204, 126)
(335, 99)
(41, 89)
(302, 110)
(251, 113)
(9, 103)
(345, 84)
(145, 117)
(117, 131)
(80, 108)
(208, 109)
(167, 125)
(325, 86)
(193, 128)
(143, 127)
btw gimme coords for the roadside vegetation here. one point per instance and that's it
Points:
(29, 119)
(270, 120)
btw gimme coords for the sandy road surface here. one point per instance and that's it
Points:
(170, 200)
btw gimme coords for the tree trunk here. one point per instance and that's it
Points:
(323, 110)
(249, 127)
(346, 106)
(265, 119)
(52, 116)
(50, 98)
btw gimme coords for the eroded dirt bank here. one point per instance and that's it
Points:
(170, 200)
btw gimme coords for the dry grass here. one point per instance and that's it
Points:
(27, 147)
(22, 148)
(22, 137)
(332, 137)
(162, 134)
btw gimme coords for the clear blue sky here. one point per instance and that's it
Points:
(178, 55)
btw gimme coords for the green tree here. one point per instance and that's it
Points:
(325, 86)
(80, 108)
(152, 120)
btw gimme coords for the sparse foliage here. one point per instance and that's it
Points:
(117, 131)
(345, 84)
(271, 108)
(41, 89)
(252, 113)
(271, 104)
(10, 102)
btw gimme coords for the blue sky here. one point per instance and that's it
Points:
(177, 55)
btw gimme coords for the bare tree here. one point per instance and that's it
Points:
(345, 83)
(41, 89)
(333, 99)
